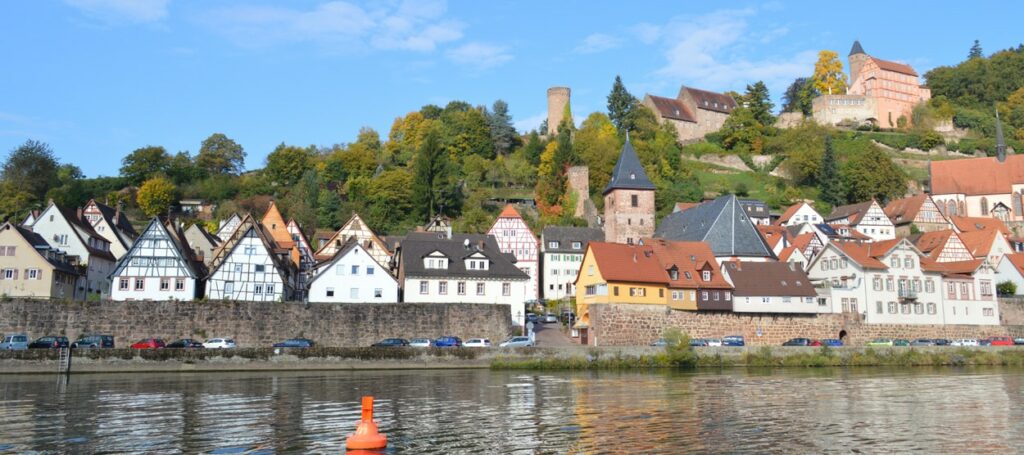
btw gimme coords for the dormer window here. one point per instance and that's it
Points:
(552, 244)
(705, 275)
(632, 176)
(687, 275)
(577, 245)
(673, 274)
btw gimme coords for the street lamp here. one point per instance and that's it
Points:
(519, 318)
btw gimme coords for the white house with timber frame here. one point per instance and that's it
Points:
(159, 266)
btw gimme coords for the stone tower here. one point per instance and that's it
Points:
(628, 200)
(558, 99)
(857, 59)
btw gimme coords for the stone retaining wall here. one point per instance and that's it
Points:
(254, 324)
(623, 325)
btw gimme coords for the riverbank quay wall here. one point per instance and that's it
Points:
(255, 324)
(628, 325)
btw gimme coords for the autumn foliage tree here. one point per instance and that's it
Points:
(829, 77)
(156, 195)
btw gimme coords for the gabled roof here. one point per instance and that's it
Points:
(976, 176)
(206, 236)
(509, 212)
(772, 235)
(895, 67)
(277, 227)
(672, 108)
(710, 101)
(788, 252)
(688, 258)
(774, 279)
(354, 223)
(803, 241)
(1017, 261)
(975, 223)
(683, 206)
(722, 223)
(932, 243)
(979, 243)
(249, 224)
(904, 211)
(790, 212)
(853, 212)
(861, 254)
(41, 247)
(628, 173)
(350, 245)
(418, 245)
(84, 232)
(115, 218)
(565, 235)
(222, 232)
(959, 269)
(179, 245)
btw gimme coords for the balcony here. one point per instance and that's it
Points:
(907, 294)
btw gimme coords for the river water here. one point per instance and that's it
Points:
(869, 410)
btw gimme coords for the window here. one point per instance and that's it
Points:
(424, 286)
(330, 292)
(727, 295)
(353, 293)
(165, 284)
(140, 284)
(369, 270)
(355, 270)
(269, 289)
(615, 291)
(822, 301)
(461, 288)
(634, 200)
(704, 295)
(878, 307)
(260, 268)
(986, 288)
(705, 275)
(229, 288)
(908, 262)
(894, 262)
(378, 293)
(677, 295)
(238, 268)
(888, 284)
(905, 308)
(257, 288)
(442, 287)
(250, 250)
(931, 308)
(554, 272)
(552, 244)
(918, 308)
(637, 292)
(877, 282)
(506, 289)
(123, 284)
(480, 288)
(9, 251)
(179, 284)
(577, 245)
(988, 312)
(892, 307)
(951, 290)
(673, 274)
(853, 305)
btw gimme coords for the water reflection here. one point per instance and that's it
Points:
(469, 411)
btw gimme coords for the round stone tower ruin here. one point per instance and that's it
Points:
(558, 98)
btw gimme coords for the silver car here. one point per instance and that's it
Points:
(421, 342)
(517, 342)
(15, 342)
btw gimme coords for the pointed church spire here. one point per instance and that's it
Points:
(1000, 142)
(628, 173)
(856, 49)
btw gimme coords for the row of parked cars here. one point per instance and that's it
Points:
(453, 342)
(22, 341)
(991, 341)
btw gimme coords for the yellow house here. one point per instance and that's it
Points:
(30, 268)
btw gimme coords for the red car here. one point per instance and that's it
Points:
(149, 343)
(815, 343)
(1001, 341)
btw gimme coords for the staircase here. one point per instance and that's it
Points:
(64, 361)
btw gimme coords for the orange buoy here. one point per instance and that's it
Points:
(366, 436)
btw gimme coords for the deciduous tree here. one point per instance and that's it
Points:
(156, 195)
(221, 155)
(143, 163)
(287, 163)
(31, 168)
(828, 74)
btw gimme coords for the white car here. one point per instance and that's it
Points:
(477, 343)
(964, 342)
(714, 342)
(421, 343)
(220, 343)
(517, 342)
(550, 317)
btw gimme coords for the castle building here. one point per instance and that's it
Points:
(628, 200)
(558, 100)
(693, 112)
(880, 92)
(515, 237)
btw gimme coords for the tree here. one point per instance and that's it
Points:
(742, 132)
(182, 170)
(597, 144)
(71, 190)
(620, 103)
(287, 163)
(464, 131)
(828, 74)
(759, 102)
(533, 148)
(31, 168)
(830, 183)
(975, 51)
(156, 195)
(391, 201)
(221, 155)
(799, 96)
(503, 134)
(872, 174)
(1006, 288)
(143, 163)
(431, 184)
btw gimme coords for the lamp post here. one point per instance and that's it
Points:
(519, 318)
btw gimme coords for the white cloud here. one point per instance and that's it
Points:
(340, 25)
(646, 33)
(598, 42)
(710, 52)
(138, 11)
(479, 55)
(530, 123)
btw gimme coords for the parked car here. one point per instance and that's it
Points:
(49, 342)
(568, 316)
(184, 343)
(517, 342)
(391, 343)
(15, 342)
(880, 342)
(550, 318)
(798, 342)
(421, 342)
(477, 343)
(900, 342)
(220, 343)
(714, 341)
(448, 342)
(660, 342)
(923, 342)
(149, 343)
(1018, 341)
(530, 317)
(816, 343)
(1000, 341)
(941, 342)
(832, 342)
(984, 342)
(964, 342)
(94, 341)
(295, 343)
(733, 340)
(698, 342)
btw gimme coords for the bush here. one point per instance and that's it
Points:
(678, 351)
(1006, 288)
(930, 140)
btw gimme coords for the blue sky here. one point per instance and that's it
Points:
(97, 79)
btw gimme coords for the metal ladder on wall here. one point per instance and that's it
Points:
(64, 361)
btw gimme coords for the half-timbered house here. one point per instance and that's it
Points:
(112, 225)
(515, 237)
(249, 266)
(160, 265)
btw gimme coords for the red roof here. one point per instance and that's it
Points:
(684, 206)
(790, 212)
(772, 234)
(802, 241)
(977, 223)
(672, 108)
(692, 257)
(787, 252)
(1017, 260)
(629, 263)
(977, 176)
(650, 263)
(932, 243)
(952, 268)
(509, 212)
(894, 66)
(903, 211)
(867, 254)
(979, 243)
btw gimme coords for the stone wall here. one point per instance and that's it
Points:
(254, 324)
(623, 325)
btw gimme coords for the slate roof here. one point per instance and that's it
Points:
(83, 230)
(41, 246)
(722, 223)
(565, 235)
(781, 279)
(852, 212)
(710, 101)
(672, 108)
(856, 49)
(755, 208)
(116, 219)
(418, 245)
(628, 173)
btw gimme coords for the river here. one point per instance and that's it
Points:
(870, 410)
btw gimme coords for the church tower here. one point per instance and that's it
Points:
(628, 200)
